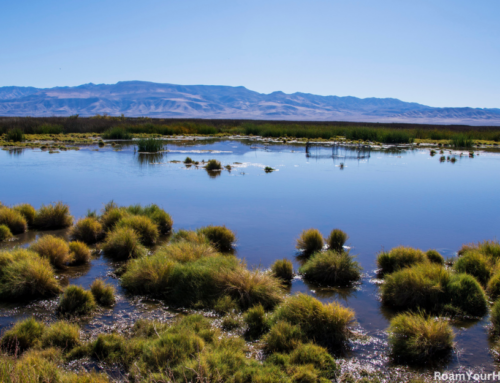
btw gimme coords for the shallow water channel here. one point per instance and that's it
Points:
(382, 201)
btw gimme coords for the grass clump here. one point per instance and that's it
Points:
(433, 288)
(13, 219)
(225, 305)
(184, 252)
(326, 324)
(159, 216)
(283, 337)
(188, 160)
(461, 141)
(331, 268)
(75, 300)
(123, 243)
(189, 236)
(336, 240)
(5, 233)
(283, 270)
(61, 334)
(493, 287)
(269, 169)
(53, 217)
(399, 258)
(311, 354)
(112, 216)
(213, 165)
(495, 317)
(145, 228)
(434, 257)
(116, 133)
(15, 135)
(256, 320)
(219, 236)
(55, 249)
(310, 241)
(27, 211)
(149, 145)
(476, 264)
(88, 230)
(79, 252)
(22, 336)
(416, 338)
(104, 294)
(25, 275)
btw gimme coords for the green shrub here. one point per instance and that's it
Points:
(331, 268)
(476, 264)
(5, 233)
(213, 165)
(15, 134)
(112, 216)
(76, 301)
(143, 226)
(27, 211)
(434, 257)
(495, 317)
(283, 337)
(23, 335)
(55, 249)
(116, 133)
(159, 216)
(283, 270)
(61, 334)
(53, 217)
(431, 287)
(310, 241)
(104, 294)
(79, 252)
(256, 320)
(327, 325)
(219, 236)
(416, 338)
(336, 240)
(14, 220)
(123, 243)
(25, 275)
(306, 354)
(493, 287)
(398, 258)
(88, 230)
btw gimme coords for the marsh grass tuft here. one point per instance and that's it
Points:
(104, 293)
(213, 165)
(311, 354)
(188, 160)
(416, 338)
(13, 219)
(493, 287)
(399, 258)
(336, 240)
(219, 236)
(149, 145)
(23, 335)
(331, 268)
(123, 243)
(476, 264)
(283, 270)
(53, 217)
(79, 252)
(310, 241)
(55, 249)
(256, 320)
(75, 300)
(61, 334)
(112, 216)
(5, 233)
(434, 257)
(27, 211)
(15, 135)
(88, 230)
(147, 230)
(461, 141)
(269, 169)
(283, 337)
(159, 216)
(116, 133)
(495, 317)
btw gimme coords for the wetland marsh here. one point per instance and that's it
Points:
(382, 200)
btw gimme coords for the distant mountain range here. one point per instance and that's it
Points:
(139, 98)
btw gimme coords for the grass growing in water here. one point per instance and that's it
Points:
(336, 240)
(88, 230)
(493, 287)
(159, 216)
(76, 301)
(461, 141)
(283, 269)
(16, 135)
(27, 211)
(61, 334)
(104, 294)
(331, 268)
(495, 317)
(5, 233)
(188, 160)
(55, 249)
(417, 338)
(283, 337)
(23, 335)
(79, 253)
(269, 169)
(219, 236)
(310, 241)
(116, 133)
(53, 217)
(147, 230)
(25, 275)
(256, 320)
(213, 165)
(13, 219)
(123, 243)
(399, 258)
(434, 257)
(149, 145)
(476, 264)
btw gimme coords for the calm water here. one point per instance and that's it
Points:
(389, 199)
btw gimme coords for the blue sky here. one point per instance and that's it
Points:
(439, 53)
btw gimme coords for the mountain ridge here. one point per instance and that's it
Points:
(149, 99)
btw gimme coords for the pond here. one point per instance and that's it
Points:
(381, 199)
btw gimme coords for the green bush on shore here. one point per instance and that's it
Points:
(416, 338)
(331, 268)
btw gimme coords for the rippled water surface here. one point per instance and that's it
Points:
(382, 201)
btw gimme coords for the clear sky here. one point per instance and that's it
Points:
(435, 52)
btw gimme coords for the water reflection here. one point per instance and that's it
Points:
(213, 173)
(16, 151)
(146, 159)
